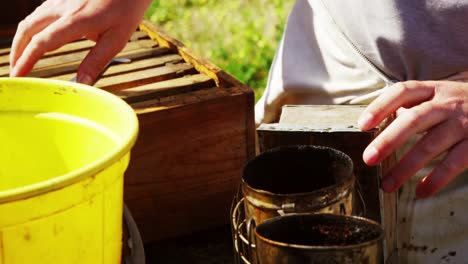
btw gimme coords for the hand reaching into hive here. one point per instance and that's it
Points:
(109, 23)
(439, 110)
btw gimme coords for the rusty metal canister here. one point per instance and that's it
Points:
(294, 179)
(319, 238)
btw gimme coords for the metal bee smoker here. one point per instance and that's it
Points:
(287, 180)
(328, 126)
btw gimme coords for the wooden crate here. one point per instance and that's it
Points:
(336, 126)
(196, 129)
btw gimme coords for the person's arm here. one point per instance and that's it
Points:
(439, 109)
(109, 23)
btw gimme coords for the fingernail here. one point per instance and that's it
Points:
(388, 184)
(84, 79)
(370, 155)
(364, 120)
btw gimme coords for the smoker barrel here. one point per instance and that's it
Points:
(292, 179)
(286, 180)
(319, 238)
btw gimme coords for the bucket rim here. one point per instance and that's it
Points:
(323, 248)
(123, 146)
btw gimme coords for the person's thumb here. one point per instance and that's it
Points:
(107, 46)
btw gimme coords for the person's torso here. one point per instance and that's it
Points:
(407, 39)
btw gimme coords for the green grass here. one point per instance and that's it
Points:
(239, 36)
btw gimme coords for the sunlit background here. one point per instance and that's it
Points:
(239, 36)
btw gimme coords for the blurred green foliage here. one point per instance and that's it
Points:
(239, 36)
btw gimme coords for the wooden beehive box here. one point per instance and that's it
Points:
(196, 129)
(336, 126)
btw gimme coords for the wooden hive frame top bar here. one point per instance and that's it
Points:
(163, 72)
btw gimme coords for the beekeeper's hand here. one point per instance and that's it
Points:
(439, 110)
(109, 23)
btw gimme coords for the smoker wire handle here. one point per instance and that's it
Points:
(251, 237)
(240, 242)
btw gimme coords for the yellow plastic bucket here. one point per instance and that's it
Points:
(64, 148)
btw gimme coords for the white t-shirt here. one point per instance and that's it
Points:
(403, 39)
(345, 52)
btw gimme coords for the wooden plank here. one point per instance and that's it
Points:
(55, 70)
(160, 103)
(79, 56)
(165, 102)
(5, 50)
(71, 47)
(132, 79)
(323, 117)
(142, 64)
(4, 70)
(166, 88)
(190, 185)
(120, 68)
(191, 97)
(68, 48)
(139, 35)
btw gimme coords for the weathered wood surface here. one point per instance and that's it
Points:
(336, 127)
(5, 51)
(67, 58)
(133, 66)
(187, 163)
(196, 129)
(166, 88)
(69, 48)
(324, 117)
(143, 77)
